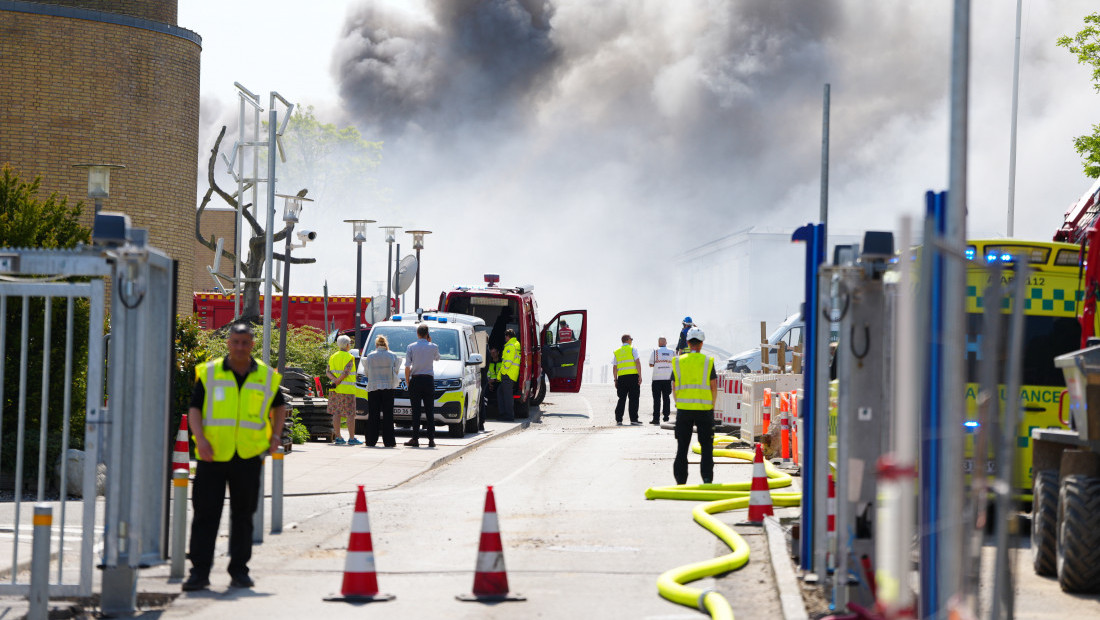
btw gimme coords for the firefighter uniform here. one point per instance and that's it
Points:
(627, 381)
(692, 374)
(509, 374)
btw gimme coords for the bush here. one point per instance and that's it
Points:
(299, 433)
(305, 345)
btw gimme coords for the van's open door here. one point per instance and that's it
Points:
(563, 344)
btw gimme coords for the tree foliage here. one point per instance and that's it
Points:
(30, 222)
(1086, 46)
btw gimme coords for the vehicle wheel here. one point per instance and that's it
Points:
(1044, 523)
(540, 394)
(522, 408)
(455, 431)
(471, 424)
(1079, 534)
(360, 427)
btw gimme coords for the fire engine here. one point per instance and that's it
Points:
(215, 310)
(551, 353)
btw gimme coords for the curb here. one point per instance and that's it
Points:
(786, 581)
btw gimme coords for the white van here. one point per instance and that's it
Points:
(461, 341)
(790, 332)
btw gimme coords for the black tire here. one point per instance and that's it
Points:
(522, 408)
(1044, 523)
(360, 427)
(540, 393)
(456, 431)
(472, 423)
(1079, 534)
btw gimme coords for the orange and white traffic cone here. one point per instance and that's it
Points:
(760, 498)
(785, 428)
(830, 527)
(490, 576)
(181, 458)
(360, 580)
(767, 409)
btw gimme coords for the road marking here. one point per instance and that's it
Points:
(528, 464)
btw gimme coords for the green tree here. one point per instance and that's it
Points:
(28, 221)
(1086, 46)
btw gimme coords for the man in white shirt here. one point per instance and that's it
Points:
(661, 363)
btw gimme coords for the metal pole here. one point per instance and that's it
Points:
(269, 234)
(1012, 133)
(258, 516)
(326, 308)
(39, 595)
(358, 291)
(238, 226)
(179, 522)
(277, 490)
(389, 280)
(402, 305)
(954, 320)
(417, 280)
(825, 165)
(286, 300)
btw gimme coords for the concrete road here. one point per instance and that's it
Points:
(580, 540)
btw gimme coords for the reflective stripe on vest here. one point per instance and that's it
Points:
(624, 361)
(336, 365)
(510, 360)
(691, 382)
(235, 420)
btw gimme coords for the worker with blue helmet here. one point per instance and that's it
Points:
(682, 343)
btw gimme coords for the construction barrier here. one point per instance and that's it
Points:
(753, 389)
(727, 408)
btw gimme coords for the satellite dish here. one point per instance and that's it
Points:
(404, 275)
(376, 311)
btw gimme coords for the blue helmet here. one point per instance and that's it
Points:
(687, 319)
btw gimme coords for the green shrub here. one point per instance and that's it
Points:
(299, 433)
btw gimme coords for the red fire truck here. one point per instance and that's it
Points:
(552, 353)
(215, 310)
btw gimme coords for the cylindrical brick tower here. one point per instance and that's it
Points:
(107, 81)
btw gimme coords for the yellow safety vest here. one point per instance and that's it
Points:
(624, 361)
(235, 420)
(691, 382)
(510, 360)
(494, 371)
(336, 365)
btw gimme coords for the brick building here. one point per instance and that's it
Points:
(216, 222)
(107, 81)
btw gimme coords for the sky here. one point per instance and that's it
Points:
(583, 146)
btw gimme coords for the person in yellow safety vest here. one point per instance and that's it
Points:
(341, 398)
(695, 387)
(627, 369)
(509, 374)
(489, 389)
(236, 414)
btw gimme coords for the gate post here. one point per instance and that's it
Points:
(39, 596)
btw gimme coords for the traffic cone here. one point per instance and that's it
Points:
(490, 576)
(360, 581)
(760, 498)
(767, 409)
(785, 428)
(830, 527)
(180, 457)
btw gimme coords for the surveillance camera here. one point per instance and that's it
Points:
(307, 235)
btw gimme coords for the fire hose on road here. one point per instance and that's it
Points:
(719, 498)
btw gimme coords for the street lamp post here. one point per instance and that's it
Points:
(292, 206)
(99, 181)
(390, 232)
(418, 244)
(359, 235)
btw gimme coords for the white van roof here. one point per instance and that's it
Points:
(441, 318)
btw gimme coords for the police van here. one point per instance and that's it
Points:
(461, 341)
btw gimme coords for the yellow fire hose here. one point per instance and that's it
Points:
(719, 498)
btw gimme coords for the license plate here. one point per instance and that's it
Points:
(402, 411)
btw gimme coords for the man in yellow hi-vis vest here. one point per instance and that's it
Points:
(509, 374)
(627, 369)
(695, 387)
(236, 415)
